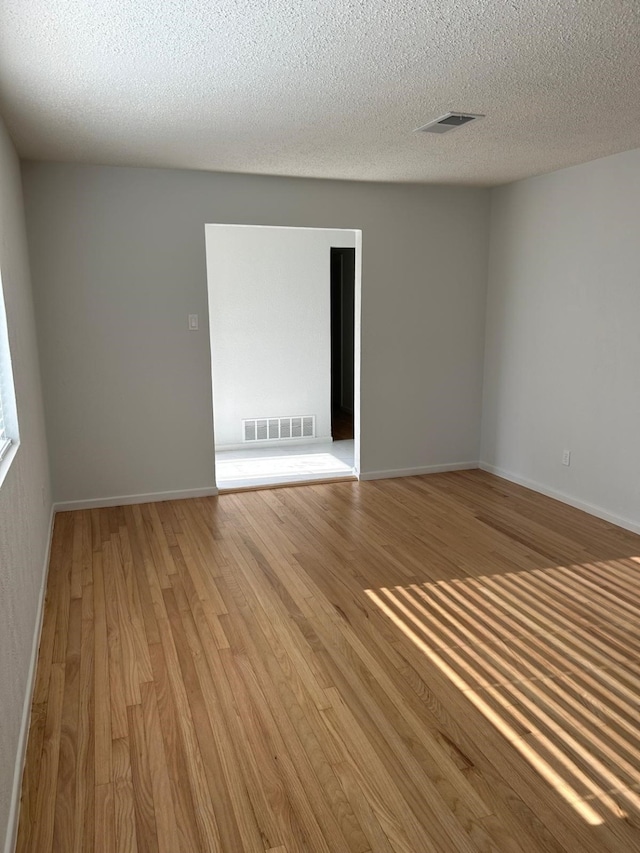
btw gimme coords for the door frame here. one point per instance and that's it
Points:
(357, 336)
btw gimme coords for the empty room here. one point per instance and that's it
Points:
(319, 418)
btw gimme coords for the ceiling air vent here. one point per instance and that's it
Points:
(448, 122)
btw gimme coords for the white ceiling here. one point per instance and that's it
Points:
(323, 88)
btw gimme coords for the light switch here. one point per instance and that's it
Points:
(193, 322)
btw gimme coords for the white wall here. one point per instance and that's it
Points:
(270, 322)
(118, 260)
(562, 368)
(25, 501)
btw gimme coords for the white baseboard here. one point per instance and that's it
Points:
(125, 500)
(275, 443)
(414, 472)
(14, 809)
(598, 511)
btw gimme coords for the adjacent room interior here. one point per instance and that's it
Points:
(282, 321)
(437, 650)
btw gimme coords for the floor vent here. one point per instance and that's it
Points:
(277, 429)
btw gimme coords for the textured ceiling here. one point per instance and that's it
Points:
(323, 88)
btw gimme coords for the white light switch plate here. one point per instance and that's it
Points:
(193, 322)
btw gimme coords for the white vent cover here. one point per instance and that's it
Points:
(448, 122)
(277, 429)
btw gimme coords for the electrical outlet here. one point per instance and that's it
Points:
(566, 457)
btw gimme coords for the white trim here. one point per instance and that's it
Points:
(14, 808)
(5, 444)
(247, 485)
(275, 442)
(357, 356)
(125, 500)
(414, 472)
(357, 339)
(7, 459)
(276, 480)
(598, 511)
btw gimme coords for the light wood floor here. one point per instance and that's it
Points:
(442, 663)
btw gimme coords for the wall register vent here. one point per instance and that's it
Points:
(448, 122)
(277, 429)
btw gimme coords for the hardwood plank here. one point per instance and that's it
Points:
(119, 680)
(63, 590)
(163, 806)
(139, 576)
(42, 830)
(131, 660)
(181, 796)
(105, 821)
(28, 814)
(139, 535)
(146, 831)
(64, 827)
(131, 601)
(196, 773)
(274, 811)
(126, 836)
(235, 787)
(445, 663)
(84, 807)
(222, 818)
(102, 690)
(77, 564)
(157, 543)
(291, 714)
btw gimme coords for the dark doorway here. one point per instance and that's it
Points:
(343, 263)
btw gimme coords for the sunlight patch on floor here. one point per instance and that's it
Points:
(549, 657)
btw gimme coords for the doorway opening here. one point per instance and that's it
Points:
(284, 312)
(343, 269)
